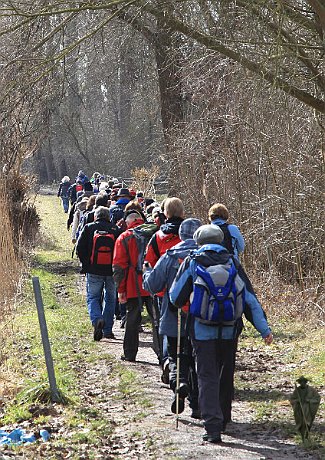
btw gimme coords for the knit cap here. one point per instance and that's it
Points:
(188, 228)
(208, 234)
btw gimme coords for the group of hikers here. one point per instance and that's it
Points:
(138, 253)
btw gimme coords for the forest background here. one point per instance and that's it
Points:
(226, 97)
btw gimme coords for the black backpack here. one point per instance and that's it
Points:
(227, 241)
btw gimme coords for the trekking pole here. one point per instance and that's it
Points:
(178, 351)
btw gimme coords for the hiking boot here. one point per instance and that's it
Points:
(214, 438)
(183, 392)
(124, 358)
(109, 335)
(98, 330)
(196, 414)
(165, 373)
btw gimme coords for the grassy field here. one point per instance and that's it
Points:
(71, 340)
(298, 350)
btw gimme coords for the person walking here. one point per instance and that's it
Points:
(233, 239)
(63, 192)
(161, 278)
(128, 278)
(214, 342)
(95, 248)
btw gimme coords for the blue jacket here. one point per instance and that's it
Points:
(162, 276)
(238, 242)
(116, 211)
(212, 254)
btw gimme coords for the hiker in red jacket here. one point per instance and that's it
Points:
(128, 279)
(165, 238)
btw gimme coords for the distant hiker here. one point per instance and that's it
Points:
(165, 238)
(233, 239)
(63, 192)
(140, 198)
(95, 249)
(73, 190)
(117, 210)
(100, 200)
(215, 309)
(80, 208)
(89, 208)
(82, 177)
(128, 279)
(161, 278)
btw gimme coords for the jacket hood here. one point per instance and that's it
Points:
(182, 250)
(171, 225)
(211, 254)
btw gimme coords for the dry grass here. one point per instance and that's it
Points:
(9, 266)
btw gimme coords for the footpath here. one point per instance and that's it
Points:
(121, 410)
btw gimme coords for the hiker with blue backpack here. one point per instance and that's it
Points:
(160, 278)
(95, 248)
(209, 279)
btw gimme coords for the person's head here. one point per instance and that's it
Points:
(188, 227)
(218, 211)
(102, 213)
(132, 216)
(90, 202)
(133, 205)
(150, 208)
(132, 193)
(88, 187)
(158, 216)
(101, 199)
(208, 234)
(173, 207)
(123, 193)
(65, 179)
(147, 202)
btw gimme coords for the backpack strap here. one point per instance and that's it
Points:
(154, 244)
(228, 239)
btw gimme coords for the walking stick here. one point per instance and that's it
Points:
(178, 351)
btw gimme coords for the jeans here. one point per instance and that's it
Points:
(65, 203)
(99, 288)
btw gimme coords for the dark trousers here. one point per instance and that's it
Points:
(133, 321)
(187, 372)
(215, 371)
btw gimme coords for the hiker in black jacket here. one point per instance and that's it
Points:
(95, 248)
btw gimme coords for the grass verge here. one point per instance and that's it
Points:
(79, 422)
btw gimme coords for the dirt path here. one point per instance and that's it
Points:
(155, 435)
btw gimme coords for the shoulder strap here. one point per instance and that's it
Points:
(155, 245)
(227, 241)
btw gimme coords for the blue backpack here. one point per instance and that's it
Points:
(218, 296)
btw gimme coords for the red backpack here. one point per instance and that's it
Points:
(102, 248)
